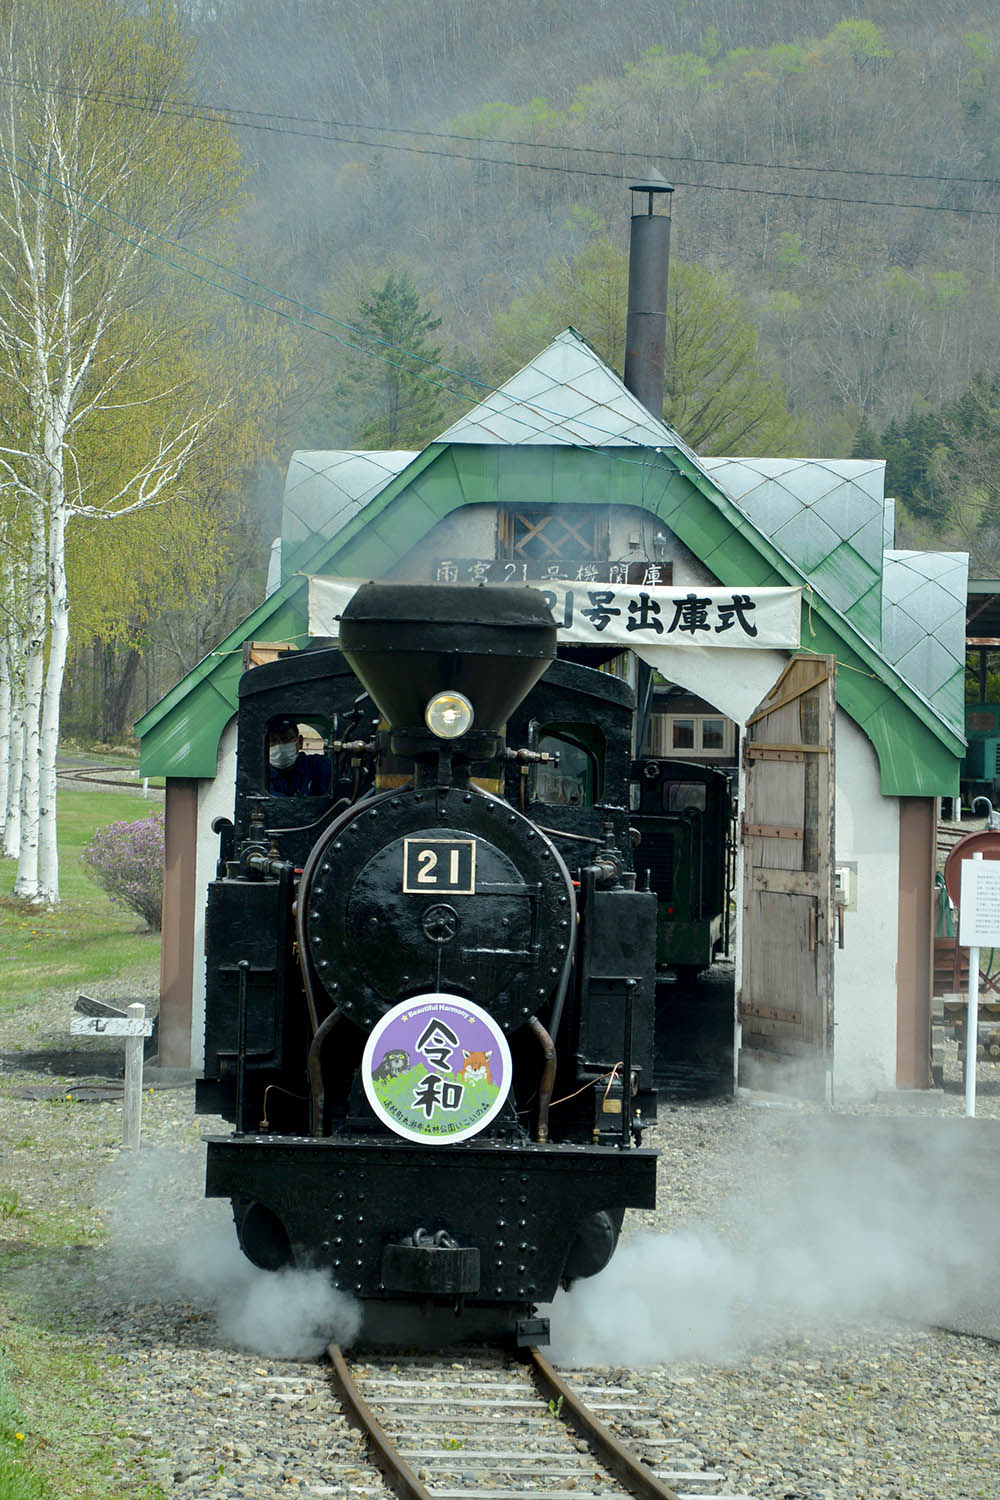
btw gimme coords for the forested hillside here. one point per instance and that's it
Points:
(844, 179)
(450, 177)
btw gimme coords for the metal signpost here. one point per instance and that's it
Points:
(978, 927)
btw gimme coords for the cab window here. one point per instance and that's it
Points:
(295, 759)
(575, 781)
(683, 796)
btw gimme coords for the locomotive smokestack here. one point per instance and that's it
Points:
(408, 643)
(648, 265)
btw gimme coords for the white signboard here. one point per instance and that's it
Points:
(979, 908)
(109, 1026)
(628, 615)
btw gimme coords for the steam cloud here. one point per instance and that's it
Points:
(168, 1241)
(835, 1221)
(286, 1314)
(860, 1220)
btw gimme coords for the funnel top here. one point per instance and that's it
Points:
(408, 643)
(452, 604)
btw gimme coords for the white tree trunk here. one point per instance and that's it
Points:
(72, 337)
(48, 850)
(7, 735)
(26, 881)
(12, 817)
(11, 673)
(11, 722)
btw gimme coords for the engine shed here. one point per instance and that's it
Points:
(850, 724)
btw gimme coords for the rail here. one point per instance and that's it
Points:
(513, 1428)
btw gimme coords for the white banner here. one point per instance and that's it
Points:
(627, 615)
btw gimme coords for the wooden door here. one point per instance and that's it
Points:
(785, 1004)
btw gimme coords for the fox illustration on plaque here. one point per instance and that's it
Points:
(476, 1068)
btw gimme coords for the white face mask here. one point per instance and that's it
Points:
(283, 756)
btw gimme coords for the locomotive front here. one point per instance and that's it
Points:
(463, 1039)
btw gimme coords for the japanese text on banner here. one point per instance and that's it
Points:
(629, 615)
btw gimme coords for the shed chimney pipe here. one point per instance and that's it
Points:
(648, 265)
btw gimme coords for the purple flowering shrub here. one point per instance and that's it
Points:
(126, 859)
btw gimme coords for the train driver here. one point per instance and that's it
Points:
(291, 772)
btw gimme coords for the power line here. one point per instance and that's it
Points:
(638, 152)
(226, 115)
(305, 307)
(312, 312)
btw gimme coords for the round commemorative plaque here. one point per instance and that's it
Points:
(436, 1069)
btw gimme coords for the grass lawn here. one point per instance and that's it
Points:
(87, 937)
(57, 1395)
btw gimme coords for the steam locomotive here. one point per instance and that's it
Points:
(430, 988)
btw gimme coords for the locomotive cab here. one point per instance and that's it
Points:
(682, 812)
(407, 980)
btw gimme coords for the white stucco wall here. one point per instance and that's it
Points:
(215, 800)
(867, 836)
(472, 532)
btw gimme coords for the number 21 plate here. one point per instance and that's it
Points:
(437, 865)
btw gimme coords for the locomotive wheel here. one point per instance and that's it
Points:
(262, 1236)
(593, 1247)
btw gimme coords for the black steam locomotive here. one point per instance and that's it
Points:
(431, 979)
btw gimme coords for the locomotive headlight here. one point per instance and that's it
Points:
(448, 715)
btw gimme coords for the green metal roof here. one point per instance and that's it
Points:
(826, 515)
(918, 753)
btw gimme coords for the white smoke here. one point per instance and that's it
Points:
(857, 1220)
(836, 1221)
(288, 1314)
(168, 1242)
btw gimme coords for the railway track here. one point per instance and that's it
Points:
(505, 1429)
(122, 778)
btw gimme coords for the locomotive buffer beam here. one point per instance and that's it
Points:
(430, 1265)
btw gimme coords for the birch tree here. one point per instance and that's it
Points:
(12, 600)
(91, 187)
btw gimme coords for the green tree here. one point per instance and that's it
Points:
(910, 448)
(398, 369)
(88, 188)
(967, 469)
(152, 593)
(376, 379)
(866, 443)
(944, 466)
(720, 396)
(718, 393)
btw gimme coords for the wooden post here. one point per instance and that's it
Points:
(132, 1108)
(100, 1019)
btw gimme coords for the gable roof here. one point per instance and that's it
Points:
(586, 440)
(566, 394)
(827, 515)
(924, 602)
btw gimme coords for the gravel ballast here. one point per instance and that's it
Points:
(779, 1304)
